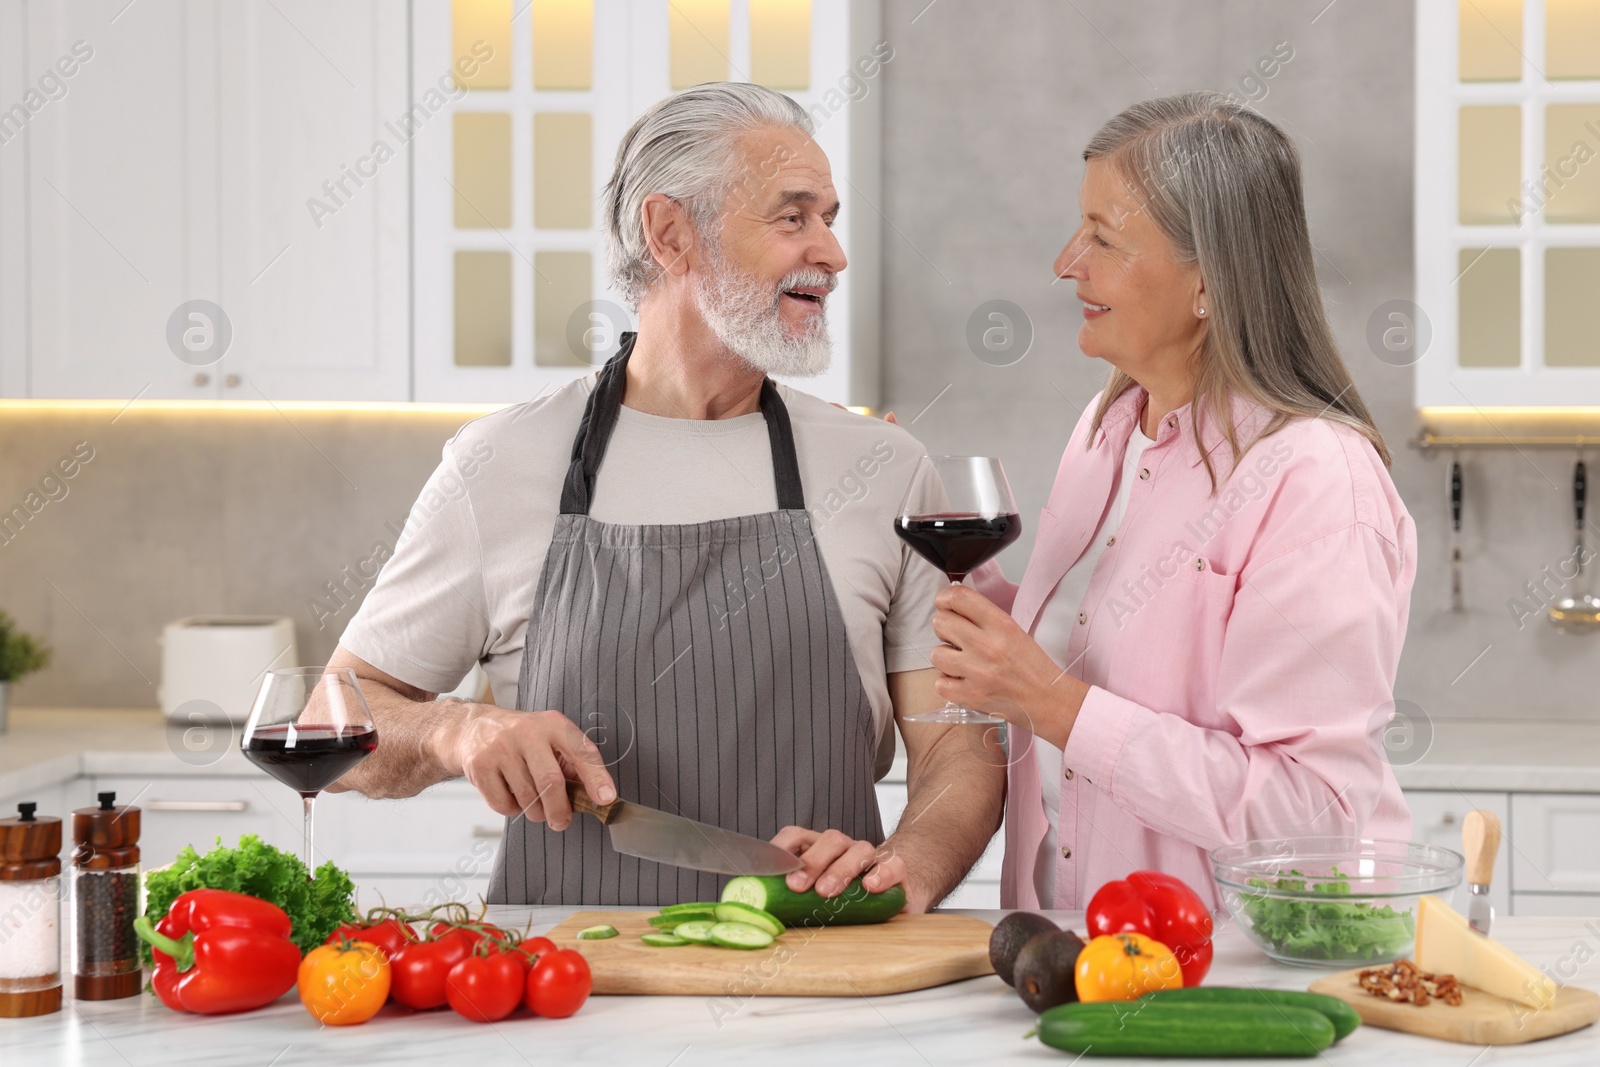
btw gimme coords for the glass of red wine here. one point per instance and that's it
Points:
(957, 514)
(308, 728)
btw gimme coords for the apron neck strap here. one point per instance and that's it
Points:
(600, 419)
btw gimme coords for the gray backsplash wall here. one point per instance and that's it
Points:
(986, 110)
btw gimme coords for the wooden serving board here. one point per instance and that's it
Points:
(1481, 1018)
(907, 952)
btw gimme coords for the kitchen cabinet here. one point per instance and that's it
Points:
(1557, 837)
(1436, 818)
(424, 850)
(181, 162)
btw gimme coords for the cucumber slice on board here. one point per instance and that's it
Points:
(696, 930)
(596, 933)
(771, 893)
(660, 940)
(740, 935)
(734, 912)
(667, 920)
(694, 905)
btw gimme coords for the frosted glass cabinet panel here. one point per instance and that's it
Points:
(1491, 307)
(1572, 307)
(1490, 40)
(1490, 163)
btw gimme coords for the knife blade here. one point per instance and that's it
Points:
(662, 837)
(1480, 838)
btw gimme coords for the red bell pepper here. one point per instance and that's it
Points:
(1162, 908)
(219, 952)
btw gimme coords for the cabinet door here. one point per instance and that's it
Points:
(110, 192)
(1436, 819)
(1556, 835)
(313, 199)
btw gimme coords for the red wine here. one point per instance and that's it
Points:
(318, 757)
(958, 543)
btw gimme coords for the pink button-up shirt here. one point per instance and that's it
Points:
(1241, 648)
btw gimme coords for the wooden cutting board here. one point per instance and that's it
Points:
(907, 952)
(1481, 1018)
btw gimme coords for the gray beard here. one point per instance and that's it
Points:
(743, 312)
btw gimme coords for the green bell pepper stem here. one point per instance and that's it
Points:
(182, 952)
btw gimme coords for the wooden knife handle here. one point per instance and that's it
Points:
(1480, 838)
(581, 802)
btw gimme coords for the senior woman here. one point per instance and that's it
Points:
(1203, 647)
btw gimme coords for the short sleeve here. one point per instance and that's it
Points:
(908, 635)
(426, 619)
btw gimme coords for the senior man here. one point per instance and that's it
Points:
(651, 576)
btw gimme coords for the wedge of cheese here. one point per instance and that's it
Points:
(1447, 945)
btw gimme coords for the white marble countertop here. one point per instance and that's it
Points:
(975, 1021)
(48, 746)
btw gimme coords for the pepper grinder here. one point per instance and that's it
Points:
(105, 901)
(30, 914)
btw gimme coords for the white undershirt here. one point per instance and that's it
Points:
(1053, 631)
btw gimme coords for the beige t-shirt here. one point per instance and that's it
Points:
(461, 582)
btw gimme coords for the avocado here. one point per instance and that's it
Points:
(1010, 934)
(1044, 969)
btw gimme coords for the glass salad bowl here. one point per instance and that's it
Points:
(1332, 902)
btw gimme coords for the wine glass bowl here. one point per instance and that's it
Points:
(308, 727)
(958, 513)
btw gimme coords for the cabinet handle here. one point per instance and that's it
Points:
(232, 380)
(486, 831)
(202, 379)
(1449, 818)
(197, 805)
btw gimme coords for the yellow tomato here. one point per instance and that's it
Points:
(345, 982)
(1125, 967)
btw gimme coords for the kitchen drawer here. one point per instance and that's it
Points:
(180, 811)
(1579, 905)
(1436, 818)
(448, 829)
(1557, 838)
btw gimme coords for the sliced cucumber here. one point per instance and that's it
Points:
(734, 912)
(668, 920)
(739, 935)
(660, 940)
(596, 933)
(771, 893)
(699, 905)
(696, 930)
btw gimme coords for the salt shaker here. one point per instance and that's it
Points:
(30, 914)
(105, 901)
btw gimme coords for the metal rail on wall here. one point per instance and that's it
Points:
(1426, 440)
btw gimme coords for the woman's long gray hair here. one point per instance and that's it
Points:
(1223, 184)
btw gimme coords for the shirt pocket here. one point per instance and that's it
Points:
(1170, 644)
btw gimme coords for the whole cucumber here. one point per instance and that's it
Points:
(1147, 1027)
(1343, 1017)
(853, 906)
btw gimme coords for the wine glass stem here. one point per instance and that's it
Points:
(306, 799)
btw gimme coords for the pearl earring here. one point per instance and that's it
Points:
(1202, 311)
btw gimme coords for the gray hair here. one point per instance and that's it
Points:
(1222, 183)
(683, 147)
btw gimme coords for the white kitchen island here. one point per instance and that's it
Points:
(971, 1022)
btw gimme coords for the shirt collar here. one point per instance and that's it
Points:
(1121, 418)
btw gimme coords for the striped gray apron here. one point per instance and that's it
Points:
(709, 663)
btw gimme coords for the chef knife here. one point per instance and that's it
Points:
(679, 842)
(1480, 838)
